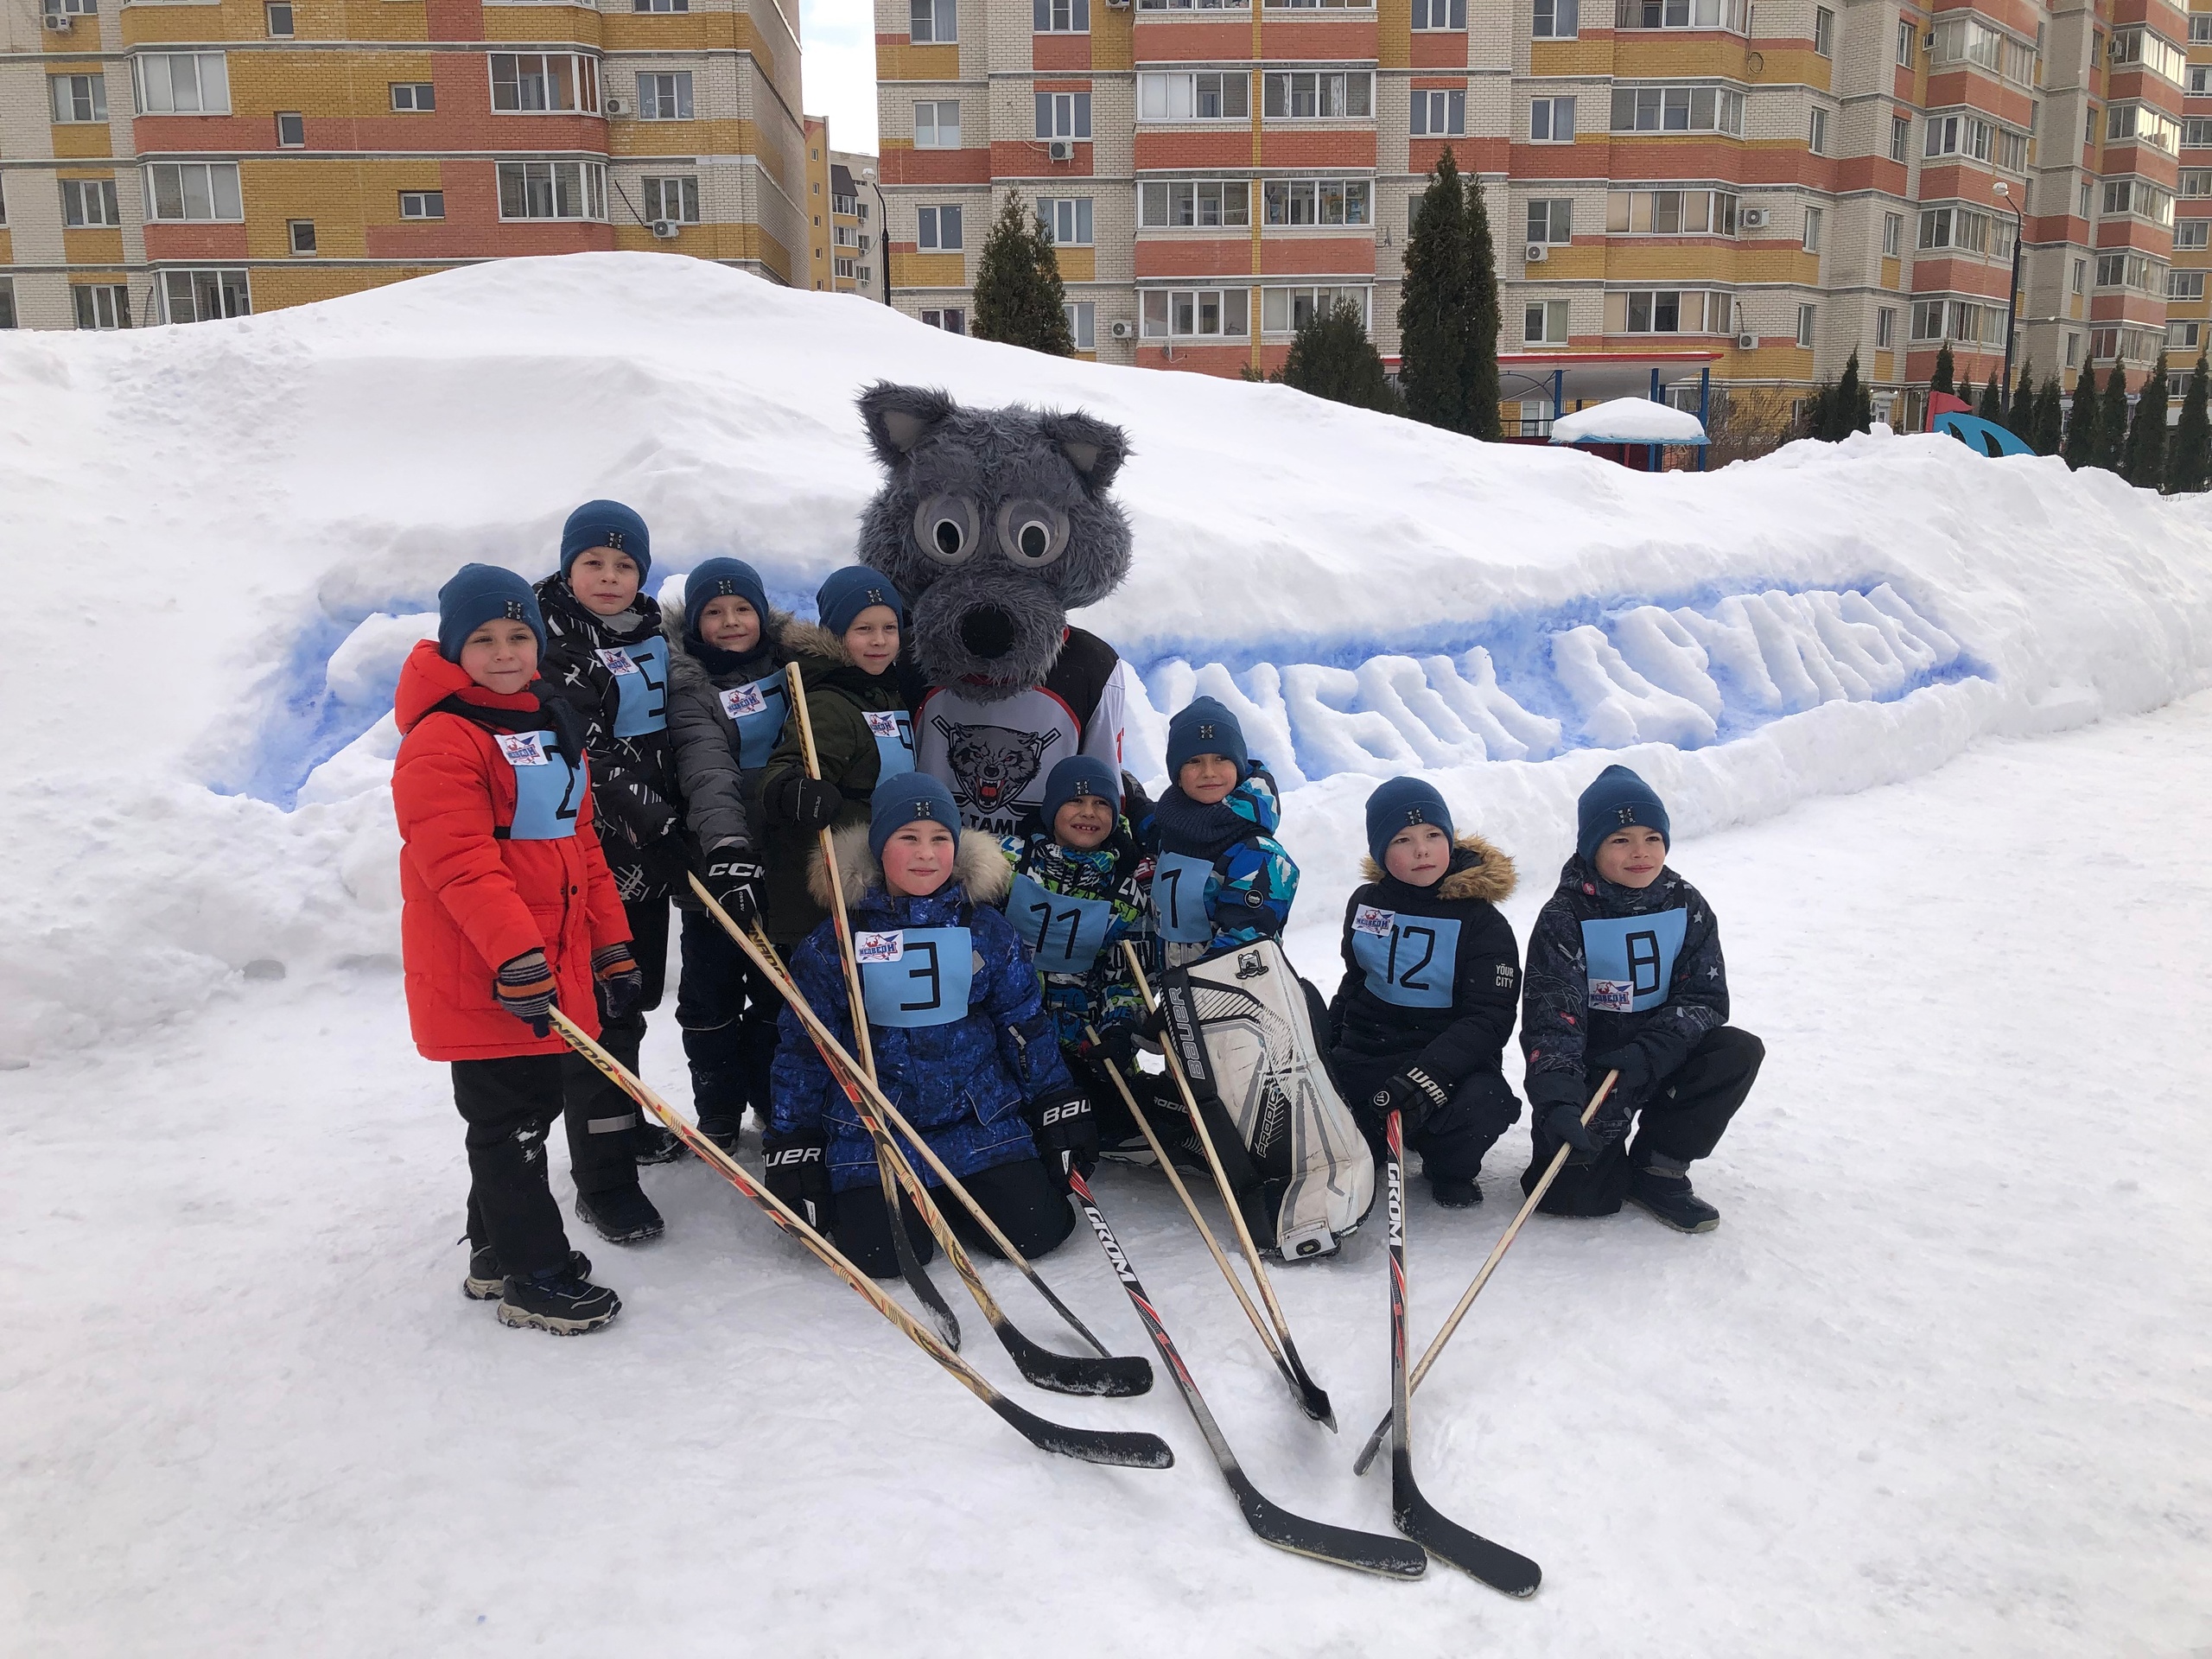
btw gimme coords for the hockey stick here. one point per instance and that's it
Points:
(1314, 1399)
(1070, 1374)
(1116, 1446)
(1366, 1552)
(1416, 1517)
(910, 1266)
(1191, 1209)
(1497, 1254)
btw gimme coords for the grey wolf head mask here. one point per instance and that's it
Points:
(994, 525)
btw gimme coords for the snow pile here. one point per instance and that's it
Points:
(228, 535)
(1628, 419)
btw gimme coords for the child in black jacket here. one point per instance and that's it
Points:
(1432, 975)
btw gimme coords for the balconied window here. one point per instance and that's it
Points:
(1669, 311)
(1316, 202)
(1202, 313)
(1679, 14)
(1678, 109)
(2140, 124)
(182, 83)
(1211, 96)
(2144, 200)
(1284, 309)
(1959, 135)
(2154, 51)
(1318, 95)
(1953, 228)
(1670, 212)
(2134, 271)
(1194, 203)
(545, 83)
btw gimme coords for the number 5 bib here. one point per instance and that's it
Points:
(916, 976)
(640, 674)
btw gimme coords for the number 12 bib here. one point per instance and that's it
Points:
(1410, 961)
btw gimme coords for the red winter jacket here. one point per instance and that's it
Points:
(472, 900)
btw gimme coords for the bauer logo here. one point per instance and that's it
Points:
(880, 947)
(1613, 995)
(523, 748)
(617, 662)
(1367, 919)
(742, 700)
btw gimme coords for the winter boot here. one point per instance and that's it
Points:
(487, 1279)
(1668, 1197)
(652, 1144)
(1455, 1192)
(623, 1216)
(565, 1303)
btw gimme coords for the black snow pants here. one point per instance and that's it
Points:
(1453, 1138)
(509, 1105)
(727, 1009)
(603, 1122)
(1021, 1196)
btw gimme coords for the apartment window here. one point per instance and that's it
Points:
(1928, 320)
(552, 190)
(1196, 313)
(89, 203)
(1900, 137)
(1556, 19)
(421, 204)
(2081, 274)
(1283, 310)
(103, 306)
(1892, 235)
(1805, 324)
(1670, 212)
(1551, 121)
(1813, 217)
(1061, 17)
(2189, 234)
(2200, 28)
(2183, 337)
(951, 319)
(2085, 199)
(2012, 150)
(1320, 95)
(1677, 109)
(1668, 311)
(1816, 132)
(72, 8)
(1316, 202)
(1439, 114)
(2153, 52)
(934, 22)
(302, 234)
(1194, 98)
(1443, 13)
(414, 97)
(660, 5)
(190, 190)
(2184, 284)
(1955, 227)
(842, 267)
(277, 16)
(938, 229)
(1968, 40)
(2200, 80)
(6, 301)
(1906, 29)
(1824, 31)
(2128, 271)
(1083, 324)
(1551, 221)
(937, 124)
(291, 129)
(545, 83)
(1958, 135)
(2197, 182)
(2073, 349)
(1063, 115)
(1679, 14)
(1199, 203)
(664, 97)
(77, 97)
(182, 83)
(1544, 322)
(674, 197)
(2145, 200)
(2196, 131)
(1885, 328)
(1067, 219)
(2145, 126)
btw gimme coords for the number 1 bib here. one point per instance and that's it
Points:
(640, 674)
(916, 976)
(1410, 961)
(548, 791)
(1178, 898)
(1064, 935)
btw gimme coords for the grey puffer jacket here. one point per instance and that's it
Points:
(725, 714)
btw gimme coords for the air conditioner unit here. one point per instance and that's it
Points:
(618, 106)
(1927, 41)
(59, 21)
(665, 228)
(1121, 330)
(1747, 342)
(1061, 149)
(1754, 219)
(1536, 253)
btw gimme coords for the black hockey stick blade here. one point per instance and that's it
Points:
(1115, 1378)
(1312, 1398)
(1122, 1448)
(910, 1266)
(1452, 1543)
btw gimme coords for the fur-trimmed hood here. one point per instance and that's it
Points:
(1486, 873)
(684, 667)
(810, 644)
(979, 868)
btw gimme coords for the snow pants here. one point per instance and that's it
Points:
(1682, 1118)
(603, 1122)
(1025, 1201)
(1453, 1138)
(728, 1010)
(509, 1106)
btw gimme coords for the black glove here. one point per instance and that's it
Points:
(1117, 1046)
(666, 864)
(620, 979)
(1635, 1079)
(798, 1172)
(1067, 1133)
(1413, 1094)
(734, 876)
(1564, 1123)
(806, 802)
(525, 988)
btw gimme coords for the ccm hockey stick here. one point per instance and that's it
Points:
(1115, 1446)
(1415, 1516)
(1365, 1552)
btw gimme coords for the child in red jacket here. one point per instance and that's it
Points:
(508, 912)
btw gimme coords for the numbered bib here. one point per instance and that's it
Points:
(1180, 884)
(1631, 959)
(640, 674)
(1064, 935)
(756, 708)
(894, 743)
(1410, 961)
(548, 791)
(916, 976)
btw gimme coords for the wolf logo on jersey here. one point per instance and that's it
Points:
(992, 764)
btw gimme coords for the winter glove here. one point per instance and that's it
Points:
(666, 864)
(1117, 1046)
(1067, 1133)
(1564, 1123)
(1413, 1094)
(620, 979)
(806, 802)
(798, 1172)
(1636, 1075)
(525, 988)
(734, 876)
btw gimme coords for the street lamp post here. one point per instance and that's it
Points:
(2012, 294)
(882, 229)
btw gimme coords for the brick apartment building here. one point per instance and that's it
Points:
(186, 159)
(843, 203)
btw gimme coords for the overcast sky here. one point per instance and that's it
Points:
(838, 61)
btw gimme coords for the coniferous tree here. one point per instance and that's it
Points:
(1851, 407)
(1478, 363)
(1333, 358)
(1992, 406)
(1941, 380)
(1817, 417)
(2020, 407)
(2049, 421)
(2111, 420)
(2189, 453)
(1019, 297)
(2145, 463)
(1433, 303)
(2084, 441)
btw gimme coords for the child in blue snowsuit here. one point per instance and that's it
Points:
(963, 1045)
(1220, 878)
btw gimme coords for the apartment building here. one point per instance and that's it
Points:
(1680, 191)
(169, 160)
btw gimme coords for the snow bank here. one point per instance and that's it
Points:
(228, 534)
(1628, 420)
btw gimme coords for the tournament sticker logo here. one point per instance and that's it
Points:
(992, 765)
(1369, 919)
(523, 748)
(1613, 995)
(883, 725)
(617, 661)
(880, 947)
(742, 700)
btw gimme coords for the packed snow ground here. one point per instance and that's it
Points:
(1937, 1385)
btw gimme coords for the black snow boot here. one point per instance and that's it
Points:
(487, 1279)
(565, 1303)
(1455, 1192)
(624, 1216)
(1669, 1199)
(652, 1144)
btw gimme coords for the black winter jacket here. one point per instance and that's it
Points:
(723, 723)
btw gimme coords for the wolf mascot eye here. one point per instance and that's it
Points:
(995, 523)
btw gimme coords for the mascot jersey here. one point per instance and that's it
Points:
(994, 755)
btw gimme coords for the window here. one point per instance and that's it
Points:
(421, 204)
(1805, 314)
(842, 267)
(1677, 109)
(2143, 125)
(552, 190)
(2184, 284)
(1679, 13)
(1169, 313)
(415, 96)
(1958, 135)
(1067, 219)
(79, 97)
(1551, 121)
(2145, 200)
(1200, 203)
(2196, 131)
(2073, 349)
(1316, 202)
(1885, 328)
(2012, 150)
(1320, 95)
(1955, 227)
(278, 18)
(1444, 13)
(1194, 5)
(2184, 336)
(1551, 221)
(1544, 322)
(182, 83)
(674, 197)
(301, 233)
(2129, 271)
(664, 97)
(2189, 234)
(1193, 98)
(291, 129)
(1816, 132)
(2081, 274)
(1669, 311)
(938, 229)
(934, 22)
(72, 8)
(1928, 320)
(1813, 230)
(2002, 233)
(1063, 115)
(1061, 17)
(660, 5)
(1439, 114)
(1968, 40)
(1083, 324)
(937, 124)
(1900, 136)
(1892, 235)
(192, 191)
(1556, 19)
(1283, 310)
(1670, 212)
(6, 301)
(1906, 29)
(2154, 51)
(2197, 182)
(539, 83)
(106, 306)
(86, 203)
(951, 319)
(2200, 28)
(1824, 31)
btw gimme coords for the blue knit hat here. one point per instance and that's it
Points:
(1402, 802)
(1205, 728)
(1077, 776)
(845, 594)
(479, 594)
(723, 578)
(908, 798)
(606, 523)
(1617, 797)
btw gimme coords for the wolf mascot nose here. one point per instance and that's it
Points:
(995, 523)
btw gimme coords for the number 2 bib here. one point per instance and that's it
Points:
(1064, 935)
(916, 976)
(1631, 959)
(1178, 898)
(1410, 961)
(548, 791)
(640, 674)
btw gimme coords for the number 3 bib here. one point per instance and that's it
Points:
(916, 976)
